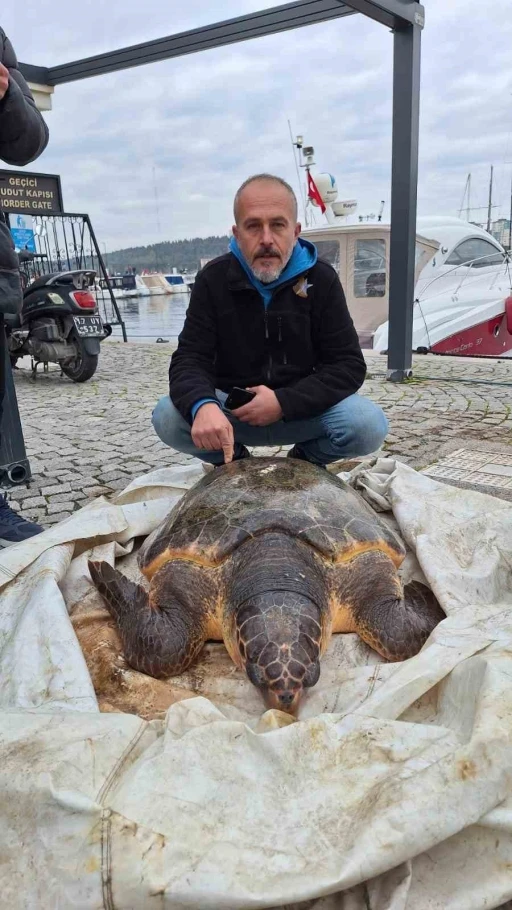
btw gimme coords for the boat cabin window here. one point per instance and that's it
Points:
(330, 251)
(476, 252)
(370, 268)
(175, 279)
(119, 283)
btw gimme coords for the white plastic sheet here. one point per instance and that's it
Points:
(392, 792)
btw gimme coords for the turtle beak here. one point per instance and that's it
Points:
(287, 700)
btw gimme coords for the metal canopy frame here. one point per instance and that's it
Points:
(406, 19)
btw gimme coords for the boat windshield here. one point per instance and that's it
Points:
(330, 251)
(370, 268)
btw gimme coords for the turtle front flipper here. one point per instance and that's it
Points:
(161, 632)
(369, 599)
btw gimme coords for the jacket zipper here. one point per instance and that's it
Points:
(269, 367)
(280, 336)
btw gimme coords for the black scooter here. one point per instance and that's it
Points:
(59, 323)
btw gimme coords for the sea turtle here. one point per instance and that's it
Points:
(271, 556)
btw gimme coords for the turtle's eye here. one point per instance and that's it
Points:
(312, 674)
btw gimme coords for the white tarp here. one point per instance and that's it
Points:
(392, 792)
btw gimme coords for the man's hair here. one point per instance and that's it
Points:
(264, 178)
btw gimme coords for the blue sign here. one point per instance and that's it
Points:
(23, 239)
(22, 233)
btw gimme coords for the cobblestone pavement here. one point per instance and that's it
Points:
(92, 439)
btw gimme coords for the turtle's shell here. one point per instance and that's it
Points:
(254, 495)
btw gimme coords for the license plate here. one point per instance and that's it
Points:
(89, 325)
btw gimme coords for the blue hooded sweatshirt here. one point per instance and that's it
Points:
(303, 258)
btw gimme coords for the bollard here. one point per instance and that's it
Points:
(14, 464)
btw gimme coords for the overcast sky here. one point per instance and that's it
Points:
(188, 131)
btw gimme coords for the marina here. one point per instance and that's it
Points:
(270, 683)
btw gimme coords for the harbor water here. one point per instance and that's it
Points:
(149, 318)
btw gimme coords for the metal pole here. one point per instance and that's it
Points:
(105, 275)
(510, 222)
(14, 465)
(404, 179)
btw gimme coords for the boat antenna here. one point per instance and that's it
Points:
(297, 144)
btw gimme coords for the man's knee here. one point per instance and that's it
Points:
(169, 425)
(372, 433)
(363, 427)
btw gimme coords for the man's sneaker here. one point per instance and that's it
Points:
(241, 452)
(297, 452)
(13, 528)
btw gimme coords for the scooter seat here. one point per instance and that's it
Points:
(43, 281)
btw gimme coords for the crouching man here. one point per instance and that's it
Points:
(271, 318)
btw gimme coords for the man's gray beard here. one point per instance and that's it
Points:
(266, 276)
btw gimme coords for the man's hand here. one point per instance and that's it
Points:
(263, 410)
(212, 431)
(4, 80)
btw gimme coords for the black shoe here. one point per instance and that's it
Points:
(14, 528)
(241, 452)
(297, 452)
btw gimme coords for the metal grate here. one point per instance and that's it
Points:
(485, 469)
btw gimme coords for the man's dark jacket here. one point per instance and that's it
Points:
(304, 347)
(23, 136)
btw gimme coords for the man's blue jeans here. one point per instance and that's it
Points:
(354, 426)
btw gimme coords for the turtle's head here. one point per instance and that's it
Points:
(278, 635)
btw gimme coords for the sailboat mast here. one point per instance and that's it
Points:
(467, 191)
(489, 210)
(468, 213)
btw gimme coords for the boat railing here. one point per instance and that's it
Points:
(502, 269)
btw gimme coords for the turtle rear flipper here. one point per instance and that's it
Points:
(159, 634)
(393, 620)
(398, 628)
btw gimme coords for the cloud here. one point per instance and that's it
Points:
(157, 152)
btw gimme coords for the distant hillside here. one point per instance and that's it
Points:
(184, 255)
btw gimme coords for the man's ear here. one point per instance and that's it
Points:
(298, 229)
(235, 231)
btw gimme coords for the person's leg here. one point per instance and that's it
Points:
(355, 426)
(13, 528)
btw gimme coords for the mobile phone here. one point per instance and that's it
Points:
(238, 397)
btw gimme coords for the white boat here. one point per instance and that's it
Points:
(463, 292)
(123, 286)
(142, 289)
(177, 282)
(156, 284)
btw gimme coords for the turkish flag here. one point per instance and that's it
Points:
(313, 193)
